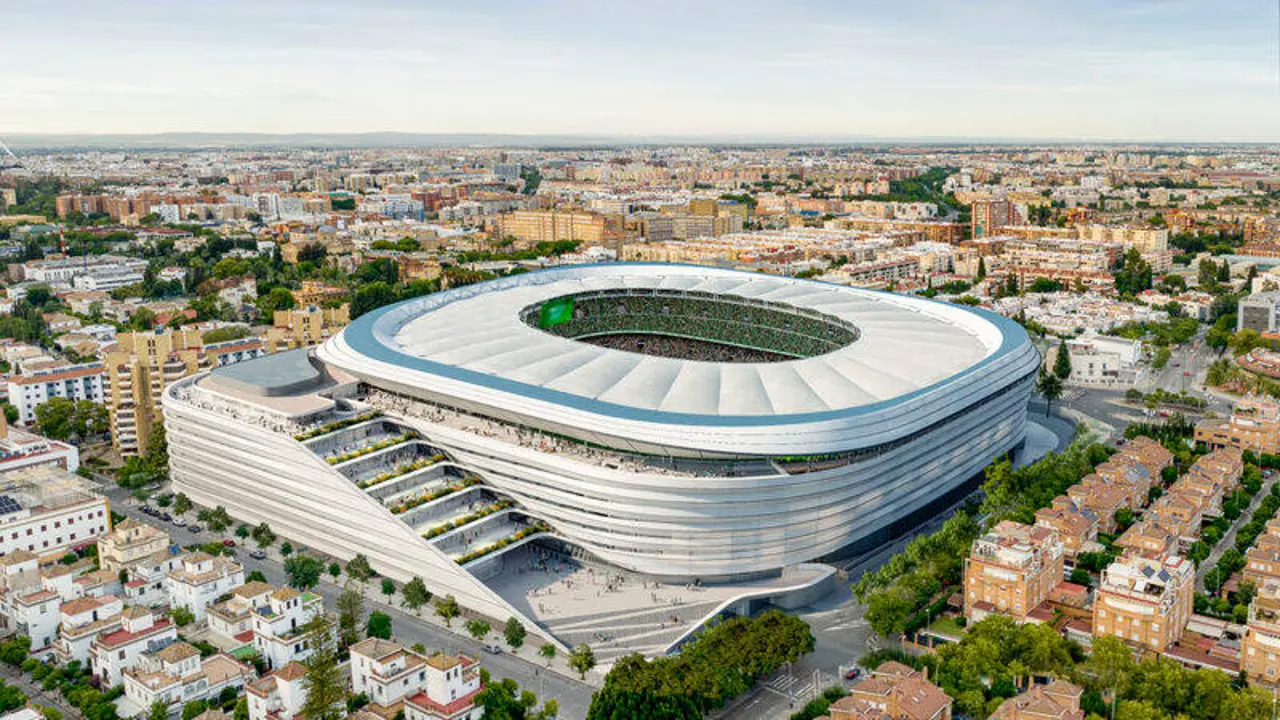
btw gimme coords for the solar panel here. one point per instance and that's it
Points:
(8, 505)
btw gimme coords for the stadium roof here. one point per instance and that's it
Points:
(475, 334)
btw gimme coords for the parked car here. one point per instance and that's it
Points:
(852, 673)
(258, 555)
(229, 542)
(195, 529)
(166, 517)
(493, 648)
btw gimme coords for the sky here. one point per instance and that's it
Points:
(1195, 70)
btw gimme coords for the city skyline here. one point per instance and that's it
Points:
(1159, 70)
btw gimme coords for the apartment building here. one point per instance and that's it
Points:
(145, 363)
(279, 628)
(1011, 570)
(82, 620)
(201, 579)
(176, 675)
(47, 511)
(27, 607)
(20, 449)
(1146, 452)
(1254, 425)
(131, 544)
(1149, 536)
(387, 673)
(304, 327)
(449, 691)
(896, 692)
(141, 630)
(1260, 648)
(1078, 529)
(74, 382)
(1100, 498)
(1145, 600)
(534, 226)
(233, 618)
(1059, 700)
(88, 272)
(988, 216)
(279, 695)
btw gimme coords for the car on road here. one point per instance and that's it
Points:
(258, 555)
(195, 529)
(1119, 441)
(179, 522)
(165, 517)
(852, 673)
(493, 648)
(229, 542)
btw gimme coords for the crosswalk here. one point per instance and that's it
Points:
(789, 686)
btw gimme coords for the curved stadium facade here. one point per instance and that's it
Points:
(682, 422)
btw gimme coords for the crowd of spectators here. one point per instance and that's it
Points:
(718, 320)
(683, 348)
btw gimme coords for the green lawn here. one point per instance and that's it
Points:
(946, 626)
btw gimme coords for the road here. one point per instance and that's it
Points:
(1229, 539)
(574, 696)
(34, 693)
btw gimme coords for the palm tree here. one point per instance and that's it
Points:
(1050, 386)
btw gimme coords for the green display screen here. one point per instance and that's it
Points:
(556, 312)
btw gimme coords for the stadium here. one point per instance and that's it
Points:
(688, 424)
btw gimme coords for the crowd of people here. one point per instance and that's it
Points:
(714, 325)
(683, 348)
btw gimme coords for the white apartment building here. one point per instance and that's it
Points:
(201, 579)
(175, 675)
(67, 270)
(107, 278)
(82, 620)
(279, 695)
(132, 544)
(48, 511)
(20, 449)
(34, 613)
(279, 634)
(453, 682)
(1102, 360)
(385, 671)
(74, 382)
(141, 630)
(233, 618)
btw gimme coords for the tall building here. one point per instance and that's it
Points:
(1011, 570)
(987, 216)
(535, 226)
(1145, 600)
(145, 363)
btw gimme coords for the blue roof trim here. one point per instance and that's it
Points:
(361, 336)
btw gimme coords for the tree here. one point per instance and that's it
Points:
(1050, 386)
(548, 651)
(514, 633)
(335, 570)
(358, 568)
(447, 609)
(263, 535)
(1062, 362)
(279, 298)
(350, 615)
(241, 711)
(582, 659)
(1110, 664)
(388, 588)
(194, 708)
(304, 571)
(181, 504)
(982, 269)
(158, 711)
(325, 685)
(256, 576)
(242, 532)
(478, 629)
(416, 594)
(379, 625)
(183, 616)
(371, 297)
(286, 549)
